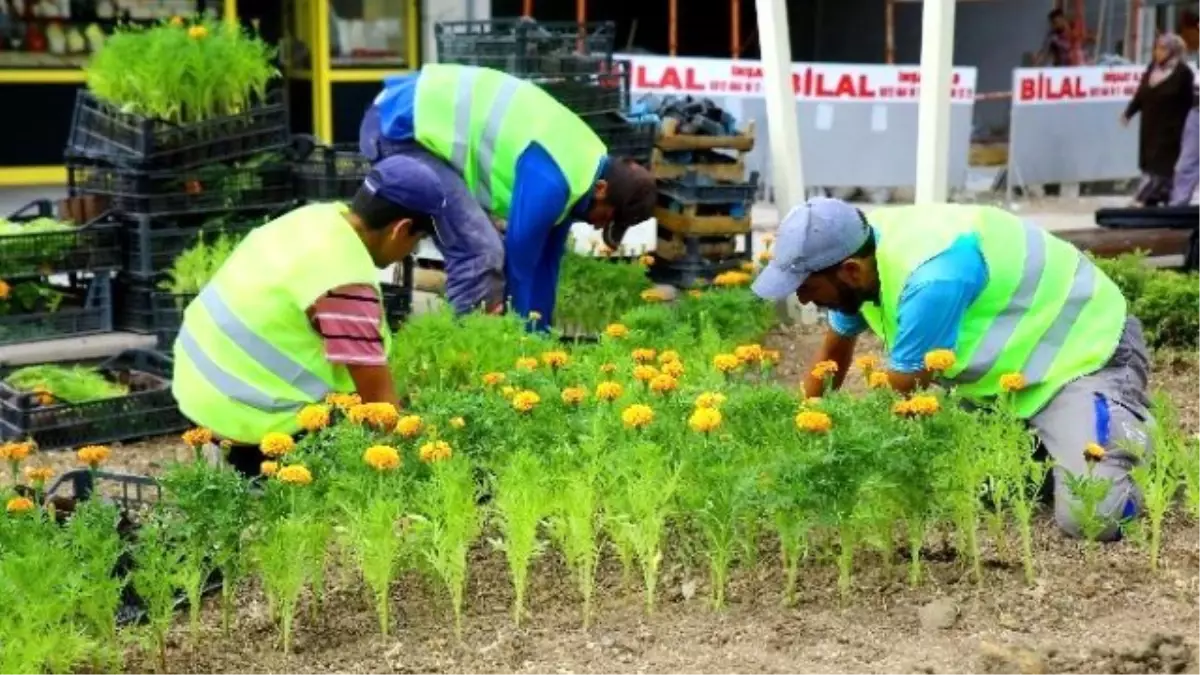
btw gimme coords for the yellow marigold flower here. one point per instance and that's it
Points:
(343, 401)
(382, 457)
(1093, 452)
(813, 421)
(765, 257)
(695, 292)
(653, 295)
(939, 360)
(555, 359)
(902, 408)
(197, 32)
(663, 384)
(609, 391)
(434, 451)
(198, 437)
(527, 363)
(878, 380)
(457, 422)
(38, 474)
(5, 290)
(93, 455)
(19, 505)
(17, 452)
(276, 444)
(410, 426)
(731, 278)
(644, 373)
(726, 362)
(668, 355)
(492, 379)
(710, 399)
(637, 416)
(608, 368)
(616, 330)
(268, 468)
(313, 417)
(177, 20)
(673, 368)
(643, 355)
(748, 353)
(508, 391)
(1012, 382)
(748, 266)
(867, 363)
(574, 395)
(705, 420)
(924, 404)
(379, 415)
(526, 401)
(824, 369)
(646, 260)
(295, 474)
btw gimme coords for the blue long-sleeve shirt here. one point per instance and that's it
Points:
(535, 235)
(932, 304)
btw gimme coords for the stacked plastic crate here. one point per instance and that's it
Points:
(573, 62)
(169, 186)
(705, 193)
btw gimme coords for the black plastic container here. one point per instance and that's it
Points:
(86, 308)
(694, 188)
(253, 185)
(524, 47)
(329, 173)
(590, 93)
(623, 136)
(94, 246)
(101, 130)
(147, 410)
(150, 245)
(130, 491)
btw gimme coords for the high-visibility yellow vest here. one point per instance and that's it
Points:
(1046, 312)
(480, 121)
(247, 357)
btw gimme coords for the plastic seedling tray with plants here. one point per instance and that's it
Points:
(37, 309)
(35, 243)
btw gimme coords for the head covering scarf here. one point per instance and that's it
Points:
(1176, 48)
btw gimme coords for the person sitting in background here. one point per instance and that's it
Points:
(1163, 98)
(296, 312)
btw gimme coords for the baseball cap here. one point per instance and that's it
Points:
(406, 182)
(814, 236)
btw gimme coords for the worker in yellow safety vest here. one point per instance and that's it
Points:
(1003, 295)
(296, 312)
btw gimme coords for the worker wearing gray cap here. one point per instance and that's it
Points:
(1005, 296)
(295, 313)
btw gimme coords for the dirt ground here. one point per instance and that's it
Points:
(1109, 615)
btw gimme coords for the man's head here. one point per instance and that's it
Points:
(1058, 20)
(825, 254)
(624, 196)
(396, 207)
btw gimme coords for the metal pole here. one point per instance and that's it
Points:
(889, 45)
(735, 28)
(672, 27)
(933, 113)
(782, 125)
(527, 8)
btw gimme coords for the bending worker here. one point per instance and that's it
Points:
(296, 312)
(504, 147)
(1005, 297)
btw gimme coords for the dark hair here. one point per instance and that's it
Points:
(632, 193)
(1055, 13)
(378, 213)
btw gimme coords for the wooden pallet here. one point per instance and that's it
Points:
(687, 222)
(724, 172)
(672, 142)
(673, 248)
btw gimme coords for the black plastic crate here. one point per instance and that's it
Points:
(101, 130)
(80, 306)
(329, 173)
(151, 245)
(590, 93)
(130, 491)
(147, 410)
(94, 246)
(623, 136)
(521, 46)
(696, 188)
(254, 185)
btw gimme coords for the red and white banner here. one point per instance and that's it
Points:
(664, 75)
(1078, 84)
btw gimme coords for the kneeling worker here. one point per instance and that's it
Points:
(296, 312)
(1005, 297)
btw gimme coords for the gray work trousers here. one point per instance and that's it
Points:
(1110, 407)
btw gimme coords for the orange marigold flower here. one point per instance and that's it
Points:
(1012, 382)
(526, 363)
(343, 401)
(19, 505)
(313, 417)
(813, 421)
(903, 408)
(197, 32)
(765, 257)
(177, 20)
(748, 266)
(434, 451)
(1093, 452)
(710, 399)
(492, 379)
(608, 368)
(726, 363)
(673, 368)
(38, 474)
(643, 355)
(276, 444)
(268, 468)
(637, 416)
(668, 355)
(609, 391)
(878, 380)
(644, 373)
(525, 401)
(295, 474)
(616, 330)
(939, 360)
(867, 363)
(771, 356)
(555, 359)
(410, 426)
(382, 457)
(457, 422)
(731, 278)
(17, 452)
(574, 395)
(748, 353)
(663, 384)
(824, 369)
(704, 420)
(198, 437)
(695, 292)
(379, 415)
(924, 404)
(653, 295)
(93, 455)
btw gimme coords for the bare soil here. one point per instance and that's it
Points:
(1108, 615)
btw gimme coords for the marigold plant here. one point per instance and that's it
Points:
(748, 353)
(526, 363)
(878, 380)
(644, 373)
(197, 437)
(269, 468)
(342, 401)
(295, 474)
(705, 420)
(616, 330)
(663, 384)
(38, 475)
(457, 422)
(573, 395)
(410, 426)
(1012, 382)
(643, 355)
(93, 455)
(824, 369)
(609, 391)
(726, 363)
(939, 360)
(525, 401)
(276, 444)
(668, 356)
(379, 415)
(867, 363)
(493, 379)
(637, 416)
(813, 421)
(555, 359)
(382, 457)
(313, 418)
(653, 295)
(710, 399)
(434, 451)
(19, 505)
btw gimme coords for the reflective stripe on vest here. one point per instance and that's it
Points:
(485, 152)
(279, 364)
(989, 349)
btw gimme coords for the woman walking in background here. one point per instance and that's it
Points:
(1163, 98)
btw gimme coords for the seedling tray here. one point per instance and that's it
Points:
(94, 246)
(524, 47)
(101, 130)
(330, 173)
(624, 137)
(86, 308)
(590, 93)
(696, 188)
(215, 187)
(150, 247)
(147, 410)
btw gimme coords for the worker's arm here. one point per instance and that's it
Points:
(540, 196)
(349, 320)
(838, 346)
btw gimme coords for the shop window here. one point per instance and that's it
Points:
(368, 33)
